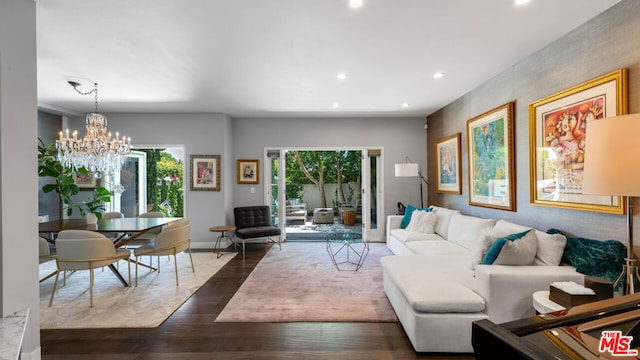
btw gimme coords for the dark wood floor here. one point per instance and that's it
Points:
(191, 333)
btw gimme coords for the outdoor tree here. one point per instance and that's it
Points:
(323, 167)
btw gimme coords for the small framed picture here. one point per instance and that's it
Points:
(83, 181)
(205, 173)
(448, 168)
(248, 171)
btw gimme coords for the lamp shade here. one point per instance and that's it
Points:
(407, 170)
(612, 156)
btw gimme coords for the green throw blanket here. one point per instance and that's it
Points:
(594, 257)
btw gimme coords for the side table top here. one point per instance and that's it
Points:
(344, 237)
(543, 305)
(222, 228)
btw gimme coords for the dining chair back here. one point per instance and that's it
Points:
(152, 214)
(172, 240)
(45, 255)
(85, 250)
(113, 215)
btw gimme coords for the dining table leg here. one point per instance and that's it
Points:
(118, 275)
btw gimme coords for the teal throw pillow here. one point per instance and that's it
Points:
(494, 250)
(408, 211)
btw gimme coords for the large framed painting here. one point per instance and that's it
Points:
(248, 171)
(448, 168)
(205, 173)
(557, 130)
(491, 159)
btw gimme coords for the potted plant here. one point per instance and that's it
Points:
(49, 166)
(92, 208)
(65, 186)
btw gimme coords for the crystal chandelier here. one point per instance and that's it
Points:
(98, 151)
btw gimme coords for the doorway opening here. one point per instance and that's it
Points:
(151, 179)
(314, 192)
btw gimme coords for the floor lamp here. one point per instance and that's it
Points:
(612, 167)
(410, 169)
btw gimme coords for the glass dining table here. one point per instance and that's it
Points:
(127, 228)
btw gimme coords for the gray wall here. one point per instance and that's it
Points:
(201, 134)
(235, 139)
(399, 137)
(18, 166)
(48, 203)
(608, 42)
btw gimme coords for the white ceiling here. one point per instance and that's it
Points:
(280, 58)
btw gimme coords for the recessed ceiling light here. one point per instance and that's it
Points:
(355, 3)
(405, 104)
(342, 76)
(438, 75)
(336, 105)
(521, 2)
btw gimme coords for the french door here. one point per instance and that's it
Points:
(372, 195)
(129, 186)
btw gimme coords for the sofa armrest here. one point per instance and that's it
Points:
(508, 290)
(393, 222)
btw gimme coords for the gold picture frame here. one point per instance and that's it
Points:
(85, 182)
(448, 165)
(248, 171)
(491, 172)
(557, 131)
(205, 173)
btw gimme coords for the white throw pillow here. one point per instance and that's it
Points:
(550, 248)
(423, 222)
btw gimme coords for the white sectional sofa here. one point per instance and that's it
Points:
(438, 287)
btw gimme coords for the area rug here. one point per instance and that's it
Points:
(116, 306)
(300, 283)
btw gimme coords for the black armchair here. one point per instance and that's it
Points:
(254, 222)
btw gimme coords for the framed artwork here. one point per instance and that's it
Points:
(491, 159)
(205, 173)
(248, 171)
(448, 167)
(557, 130)
(85, 182)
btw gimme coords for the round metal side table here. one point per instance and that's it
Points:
(222, 230)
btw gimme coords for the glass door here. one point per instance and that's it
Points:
(133, 177)
(372, 196)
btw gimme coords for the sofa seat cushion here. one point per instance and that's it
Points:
(436, 248)
(430, 287)
(405, 236)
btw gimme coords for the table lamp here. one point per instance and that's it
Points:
(409, 169)
(612, 167)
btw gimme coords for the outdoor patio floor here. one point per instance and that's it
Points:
(296, 231)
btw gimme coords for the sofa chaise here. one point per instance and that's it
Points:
(438, 286)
